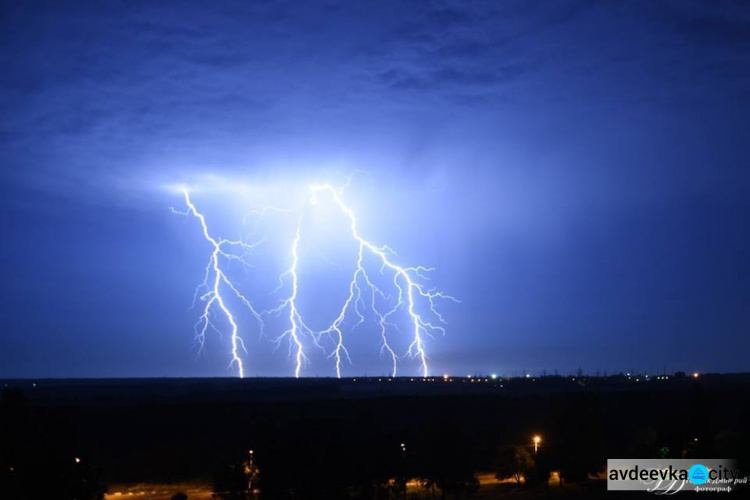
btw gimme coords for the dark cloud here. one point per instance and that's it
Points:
(498, 125)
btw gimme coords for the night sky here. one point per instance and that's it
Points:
(577, 173)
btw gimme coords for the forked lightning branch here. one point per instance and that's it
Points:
(405, 299)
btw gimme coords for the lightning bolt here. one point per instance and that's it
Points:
(214, 280)
(296, 324)
(406, 280)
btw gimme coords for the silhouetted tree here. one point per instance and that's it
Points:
(459, 485)
(444, 458)
(540, 472)
(513, 462)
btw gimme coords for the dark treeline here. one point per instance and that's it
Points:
(349, 445)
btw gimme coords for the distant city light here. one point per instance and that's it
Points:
(494, 376)
(695, 375)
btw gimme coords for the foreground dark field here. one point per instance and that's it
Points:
(358, 438)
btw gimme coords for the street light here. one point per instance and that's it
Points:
(250, 475)
(403, 458)
(537, 440)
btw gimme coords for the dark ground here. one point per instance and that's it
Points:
(327, 438)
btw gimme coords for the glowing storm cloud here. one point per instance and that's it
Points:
(411, 294)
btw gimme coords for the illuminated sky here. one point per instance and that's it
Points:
(577, 174)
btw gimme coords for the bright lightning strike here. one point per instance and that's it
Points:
(406, 280)
(296, 325)
(215, 279)
(363, 294)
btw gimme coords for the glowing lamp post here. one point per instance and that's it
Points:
(250, 478)
(537, 440)
(403, 458)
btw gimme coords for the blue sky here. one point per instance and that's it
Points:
(577, 173)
